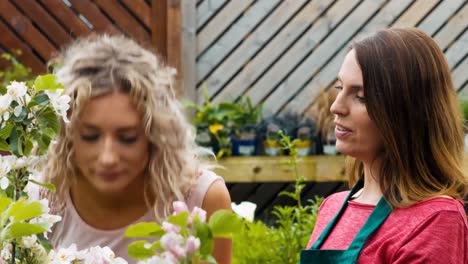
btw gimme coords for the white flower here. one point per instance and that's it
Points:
(60, 103)
(5, 102)
(29, 241)
(64, 255)
(245, 210)
(17, 90)
(4, 183)
(50, 220)
(20, 163)
(6, 116)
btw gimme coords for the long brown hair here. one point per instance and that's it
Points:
(410, 97)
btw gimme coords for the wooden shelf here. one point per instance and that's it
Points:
(318, 168)
(275, 169)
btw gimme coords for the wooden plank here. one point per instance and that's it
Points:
(270, 169)
(159, 27)
(124, 20)
(321, 54)
(141, 9)
(234, 35)
(274, 49)
(174, 41)
(460, 74)
(453, 28)
(415, 13)
(92, 13)
(12, 43)
(189, 40)
(207, 9)
(439, 15)
(44, 21)
(26, 30)
(295, 54)
(457, 50)
(218, 24)
(67, 17)
(327, 75)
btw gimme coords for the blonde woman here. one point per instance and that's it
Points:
(127, 152)
(398, 120)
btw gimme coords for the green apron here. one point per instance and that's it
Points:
(377, 217)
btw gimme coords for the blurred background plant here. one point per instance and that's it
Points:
(282, 242)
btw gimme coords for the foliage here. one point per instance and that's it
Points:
(294, 224)
(16, 71)
(185, 237)
(223, 120)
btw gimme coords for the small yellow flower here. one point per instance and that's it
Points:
(215, 128)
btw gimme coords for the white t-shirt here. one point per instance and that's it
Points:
(72, 229)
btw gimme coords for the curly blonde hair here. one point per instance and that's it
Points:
(104, 64)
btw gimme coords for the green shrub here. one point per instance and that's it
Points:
(282, 243)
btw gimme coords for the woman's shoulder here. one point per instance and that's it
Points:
(432, 206)
(205, 179)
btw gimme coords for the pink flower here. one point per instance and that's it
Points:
(170, 228)
(172, 242)
(197, 211)
(179, 207)
(192, 244)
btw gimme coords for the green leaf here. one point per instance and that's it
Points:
(4, 203)
(44, 242)
(48, 186)
(179, 219)
(203, 232)
(144, 229)
(18, 230)
(224, 223)
(15, 142)
(40, 99)
(6, 131)
(28, 211)
(4, 145)
(16, 206)
(48, 119)
(28, 146)
(47, 82)
(138, 250)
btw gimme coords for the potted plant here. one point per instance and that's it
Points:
(245, 118)
(213, 125)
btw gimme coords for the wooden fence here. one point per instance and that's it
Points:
(282, 53)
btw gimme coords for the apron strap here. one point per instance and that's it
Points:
(335, 219)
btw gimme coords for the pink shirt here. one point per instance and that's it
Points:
(432, 231)
(72, 229)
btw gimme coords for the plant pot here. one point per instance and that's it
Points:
(244, 147)
(303, 147)
(271, 148)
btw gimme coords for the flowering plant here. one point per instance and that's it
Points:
(184, 237)
(29, 121)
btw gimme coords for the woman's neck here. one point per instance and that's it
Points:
(108, 210)
(370, 193)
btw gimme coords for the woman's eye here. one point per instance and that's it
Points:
(90, 138)
(339, 87)
(361, 99)
(128, 140)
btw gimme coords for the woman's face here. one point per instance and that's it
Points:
(111, 149)
(356, 134)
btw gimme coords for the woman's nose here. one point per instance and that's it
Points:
(108, 154)
(339, 106)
